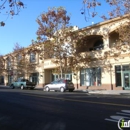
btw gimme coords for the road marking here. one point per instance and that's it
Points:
(126, 114)
(111, 120)
(119, 115)
(126, 111)
(74, 100)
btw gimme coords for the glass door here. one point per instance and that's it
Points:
(126, 80)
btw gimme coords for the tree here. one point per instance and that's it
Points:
(21, 62)
(55, 28)
(10, 7)
(2, 69)
(2, 65)
(117, 8)
(17, 47)
(24, 67)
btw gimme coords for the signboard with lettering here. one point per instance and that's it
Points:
(49, 64)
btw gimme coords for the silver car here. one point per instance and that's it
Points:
(60, 85)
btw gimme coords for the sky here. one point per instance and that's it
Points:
(22, 28)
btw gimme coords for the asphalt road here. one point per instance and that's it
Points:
(38, 110)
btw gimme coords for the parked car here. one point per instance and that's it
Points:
(60, 85)
(23, 83)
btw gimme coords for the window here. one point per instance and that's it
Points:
(32, 57)
(120, 72)
(19, 57)
(54, 82)
(90, 77)
(8, 63)
(125, 67)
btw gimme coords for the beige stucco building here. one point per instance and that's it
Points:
(103, 72)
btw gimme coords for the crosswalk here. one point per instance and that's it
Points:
(119, 115)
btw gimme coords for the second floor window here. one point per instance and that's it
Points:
(8, 63)
(32, 57)
(19, 58)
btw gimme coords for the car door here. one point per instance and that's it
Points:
(57, 85)
(16, 83)
(52, 85)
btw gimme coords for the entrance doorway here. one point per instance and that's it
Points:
(126, 80)
(123, 76)
(34, 77)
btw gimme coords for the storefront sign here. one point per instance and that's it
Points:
(49, 64)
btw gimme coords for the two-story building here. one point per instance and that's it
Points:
(108, 68)
(23, 64)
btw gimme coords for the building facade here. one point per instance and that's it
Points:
(110, 72)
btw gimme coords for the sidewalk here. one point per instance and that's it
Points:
(110, 92)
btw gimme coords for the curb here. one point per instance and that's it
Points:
(122, 93)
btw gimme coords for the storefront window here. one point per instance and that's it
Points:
(122, 74)
(90, 77)
(125, 67)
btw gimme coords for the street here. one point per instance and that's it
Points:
(38, 110)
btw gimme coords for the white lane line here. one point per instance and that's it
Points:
(126, 111)
(123, 114)
(119, 115)
(111, 120)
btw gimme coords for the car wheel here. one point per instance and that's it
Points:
(62, 89)
(12, 86)
(47, 89)
(22, 87)
(44, 89)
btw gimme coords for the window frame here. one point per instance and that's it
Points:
(32, 57)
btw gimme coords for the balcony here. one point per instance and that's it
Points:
(98, 54)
